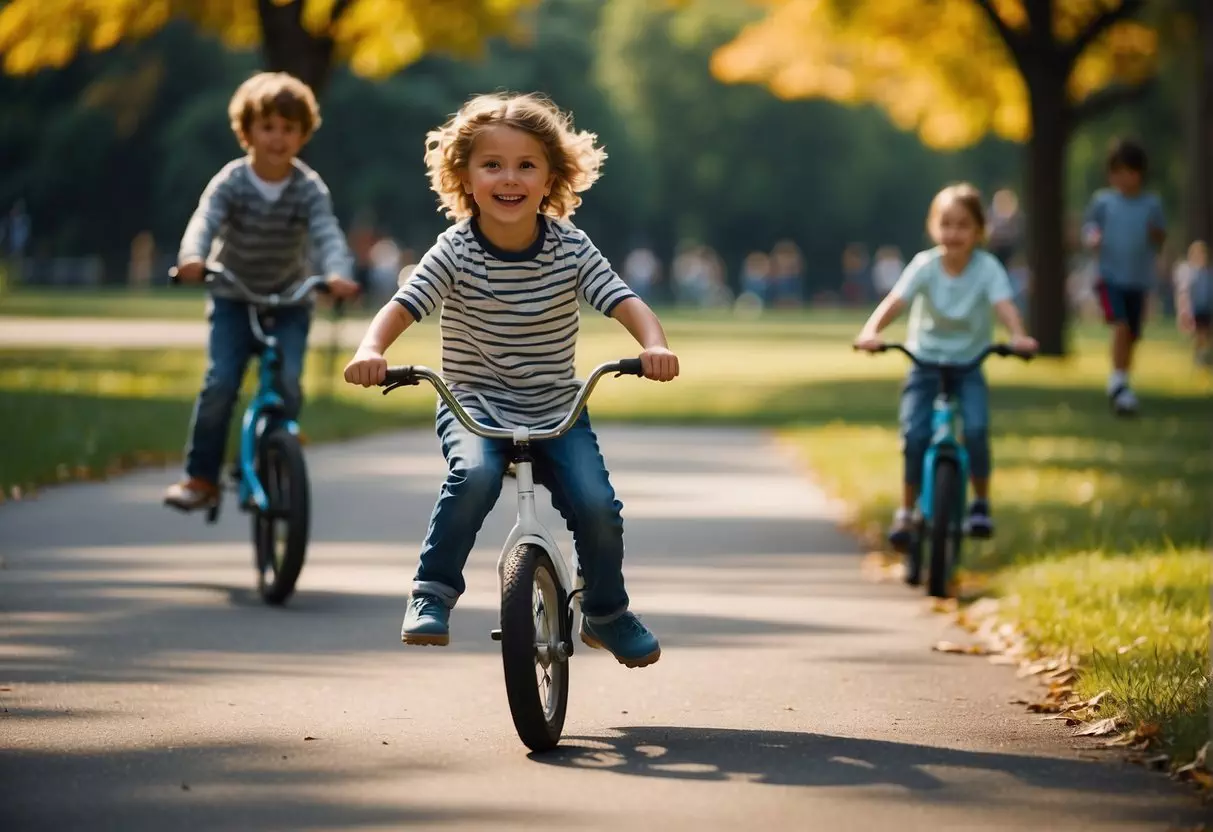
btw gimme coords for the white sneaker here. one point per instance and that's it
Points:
(1125, 402)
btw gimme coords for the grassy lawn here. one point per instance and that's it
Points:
(1104, 525)
(175, 303)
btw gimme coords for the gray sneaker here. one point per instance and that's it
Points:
(426, 622)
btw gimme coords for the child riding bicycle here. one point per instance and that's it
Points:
(951, 290)
(509, 275)
(256, 218)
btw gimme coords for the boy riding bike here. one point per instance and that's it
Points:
(951, 290)
(256, 218)
(509, 275)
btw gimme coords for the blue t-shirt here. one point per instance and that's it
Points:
(951, 317)
(1126, 255)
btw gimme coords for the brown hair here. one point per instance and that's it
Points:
(273, 93)
(573, 156)
(963, 194)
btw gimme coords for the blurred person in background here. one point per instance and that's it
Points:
(262, 216)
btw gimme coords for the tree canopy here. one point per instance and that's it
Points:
(376, 37)
(941, 67)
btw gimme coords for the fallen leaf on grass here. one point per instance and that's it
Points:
(1125, 648)
(1069, 719)
(878, 566)
(1045, 707)
(1089, 704)
(1099, 729)
(1148, 730)
(1198, 770)
(944, 605)
(964, 649)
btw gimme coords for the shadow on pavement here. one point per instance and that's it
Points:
(783, 758)
(207, 786)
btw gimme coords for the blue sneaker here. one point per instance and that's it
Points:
(426, 622)
(625, 638)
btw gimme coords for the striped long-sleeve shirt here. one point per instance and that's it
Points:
(266, 240)
(510, 319)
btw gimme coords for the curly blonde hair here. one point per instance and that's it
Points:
(572, 155)
(273, 93)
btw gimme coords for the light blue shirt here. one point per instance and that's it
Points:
(1126, 255)
(951, 317)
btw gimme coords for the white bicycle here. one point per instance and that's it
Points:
(540, 590)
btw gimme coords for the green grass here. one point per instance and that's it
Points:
(176, 303)
(1104, 524)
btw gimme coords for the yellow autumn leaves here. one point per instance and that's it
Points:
(377, 37)
(938, 68)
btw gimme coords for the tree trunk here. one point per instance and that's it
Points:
(289, 47)
(1045, 192)
(1200, 225)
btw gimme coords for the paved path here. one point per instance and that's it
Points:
(145, 688)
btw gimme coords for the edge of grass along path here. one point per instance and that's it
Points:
(1102, 550)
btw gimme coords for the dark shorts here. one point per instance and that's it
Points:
(1203, 320)
(1121, 305)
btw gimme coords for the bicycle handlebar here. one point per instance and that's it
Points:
(317, 283)
(1001, 349)
(411, 375)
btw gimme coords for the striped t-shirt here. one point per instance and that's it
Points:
(265, 242)
(510, 319)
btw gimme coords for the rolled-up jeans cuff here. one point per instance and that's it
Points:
(441, 591)
(606, 619)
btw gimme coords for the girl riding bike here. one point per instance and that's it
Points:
(951, 290)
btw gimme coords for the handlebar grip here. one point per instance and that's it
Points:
(401, 376)
(631, 367)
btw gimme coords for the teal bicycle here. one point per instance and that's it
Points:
(270, 475)
(940, 512)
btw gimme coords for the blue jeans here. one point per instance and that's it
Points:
(230, 347)
(572, 469)
(917, 402)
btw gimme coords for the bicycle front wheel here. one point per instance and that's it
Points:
(280, 534)
(532, 629)
(945, 527)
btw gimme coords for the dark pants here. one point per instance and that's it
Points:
(571, 467)
(231, 346)
(917, 403)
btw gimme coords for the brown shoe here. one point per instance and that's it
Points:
(191, 494)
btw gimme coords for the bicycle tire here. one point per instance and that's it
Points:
(945, 542)
(283, 473)
(913, 554)
(538, 727)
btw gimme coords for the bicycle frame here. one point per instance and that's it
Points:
(943, 444)
(527, 526)
(265, 408)
(263, 412)
(529, 529)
